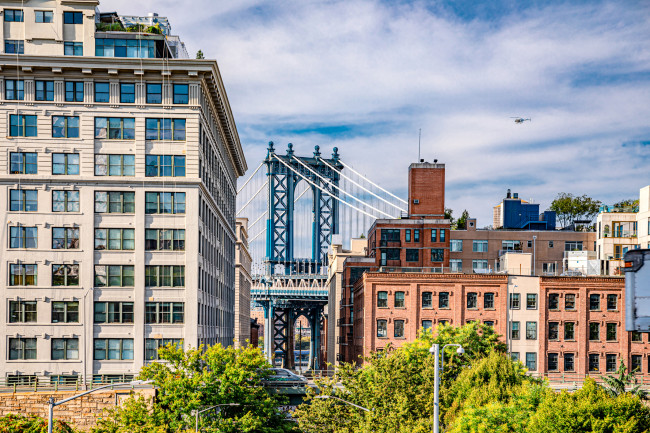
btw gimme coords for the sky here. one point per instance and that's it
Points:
(365, 76)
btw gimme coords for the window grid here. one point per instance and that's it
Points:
(65, 275)
(114, 276)
(22, 312)
(65, 201)
(164, 312)
(22, 125)
(164, 276)
(22, 275)
(65, 164)
(115, 239)
(113, 348)
(164, 240)
(65, 238)
(23, 200)
(65, 348)
(65, 312)
(114, 202)
(165, 202)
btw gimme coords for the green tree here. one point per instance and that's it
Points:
(14, 423)
(449, 215)
(397, 384)
(570, 208)
(622, 382)
(628, 203)
(197, 379)
(199, 55)
(461, 223)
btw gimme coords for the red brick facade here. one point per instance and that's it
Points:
(427, 190)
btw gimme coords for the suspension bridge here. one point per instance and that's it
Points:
(294, 207)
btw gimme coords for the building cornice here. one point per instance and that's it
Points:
(207, 70)
(447, 277)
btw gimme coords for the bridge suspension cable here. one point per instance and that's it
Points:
(372, 183)
(362, 187)
(253, 197)
(323, 190)
(342, 190)
(251, 176)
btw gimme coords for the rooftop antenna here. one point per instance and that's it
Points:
(419, 142)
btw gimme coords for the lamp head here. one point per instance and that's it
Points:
(432, 349)
(460, 350)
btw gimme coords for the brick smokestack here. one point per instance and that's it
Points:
(427, 190)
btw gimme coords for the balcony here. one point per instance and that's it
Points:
(621, 234)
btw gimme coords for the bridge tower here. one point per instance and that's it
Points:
(296, 286)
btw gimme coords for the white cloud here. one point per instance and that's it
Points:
(360, 62)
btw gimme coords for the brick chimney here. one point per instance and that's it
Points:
(427, 190)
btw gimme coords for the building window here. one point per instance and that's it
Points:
(164, 312)
(23, 200)
(594, 362)
(531, 301)
(515, 301)
(73, 48)
(114, 202)
(416, 235)
(154, 93)
(14, 90)
(115, 239)
(102, 92)
(531, 330)
(22, 275)
(554, 301)
(22, 348)
(553, 331)
(113, 348)
(382, 299)
(573, 246)
(612, 302)
(134, 48)
(164, 203)
(569, 301)
(427, 325)
(181, 94)
(594, 302)
(610, 362)
(65, 238)
(382, 328)
(73, 17)
(14, 15)
(151, 346)
(65, 275)
(65, 127)
(165, 166)
(399, 299)
(548, 268)
(113, 312)
(514, 331)
(168, 129)
(164, 276)
(472, 300)
(553, 364)
(23, 237)
(594, 331)
(412, 255)
(390, 235)
(114, 165)
(65, 164)
(514, 356)
(488, 301)
(568, 362)
(443, 300)
(636, 365)
(115, 128)
(456, 245)
(437, 255)
(636, 337)
(455, 265)
(44, 16)
(480, 246)
(530, 244)
(407, 235)
(550, 244)
(65, 348)
(479, 265)
(442, 235)
(569, 331)
(74, 91)
(65, 312)
(427, 300)
(22, 125)
(114, 276)
(14, 47)
(399, 328)
(164, 239)
(44, 90)
(511, 245)
(22, 312)
(127, 93)
(65, 201)
(434, 235)
(531, 361)
(610, 333)
(489, 323)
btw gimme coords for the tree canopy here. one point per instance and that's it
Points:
(570, 208)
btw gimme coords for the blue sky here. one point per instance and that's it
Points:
(365, 75)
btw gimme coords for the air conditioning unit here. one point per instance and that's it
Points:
(416, 201)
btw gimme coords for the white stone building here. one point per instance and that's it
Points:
(118, 169)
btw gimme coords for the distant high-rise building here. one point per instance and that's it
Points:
(515, 213)
(118, 178)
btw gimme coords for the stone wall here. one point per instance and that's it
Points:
(81, 412)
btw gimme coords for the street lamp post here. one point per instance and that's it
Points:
(198, 412)
(438, 366)
(53, 404)
(344, 401)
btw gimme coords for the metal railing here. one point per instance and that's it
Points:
(556, 379)
(40, 383)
